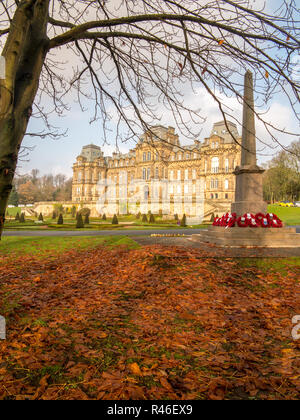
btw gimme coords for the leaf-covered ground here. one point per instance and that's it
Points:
(151, 323)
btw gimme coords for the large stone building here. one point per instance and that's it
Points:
(160, 175)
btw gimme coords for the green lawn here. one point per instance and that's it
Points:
(125, 223)
(268, 265)
(289, 215)
(56, 245)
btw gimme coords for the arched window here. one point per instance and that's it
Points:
(226, 184)
(156, 172)
(144, 173)
(226, 165)
(144, 156)
(215, 165)
(79, 176)
(149, 155)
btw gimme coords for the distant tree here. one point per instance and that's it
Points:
(28, 193)
(14, 197)
(60, 220)
(79, 223)
(104, 217)
(40, 218)
(86, 219)
(115, 220)
(144, 218)
(22, 218)
(17, 217)
(281, 181)
(183, 221)
(151, 218)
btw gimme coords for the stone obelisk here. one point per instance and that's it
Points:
(249, 188)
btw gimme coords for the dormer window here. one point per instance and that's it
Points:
(213, 145)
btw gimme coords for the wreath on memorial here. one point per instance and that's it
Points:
(269, 220)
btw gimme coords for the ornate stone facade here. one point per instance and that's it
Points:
(197, 173)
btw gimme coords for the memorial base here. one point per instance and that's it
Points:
(249, 237)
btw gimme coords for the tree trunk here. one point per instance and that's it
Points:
(25, 51)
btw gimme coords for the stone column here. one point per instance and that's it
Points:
(249, 189)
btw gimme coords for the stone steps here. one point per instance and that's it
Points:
(234, 237)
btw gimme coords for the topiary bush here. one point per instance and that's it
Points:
(144, 219)
(176, 216)
(22, 218)
(151, 218)
(115, 220)
(17, 217)
(138, 216)
(86, 219)
(183, 220)
(104, 217)
(60, 220)
(79, 223)
(40, 218)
